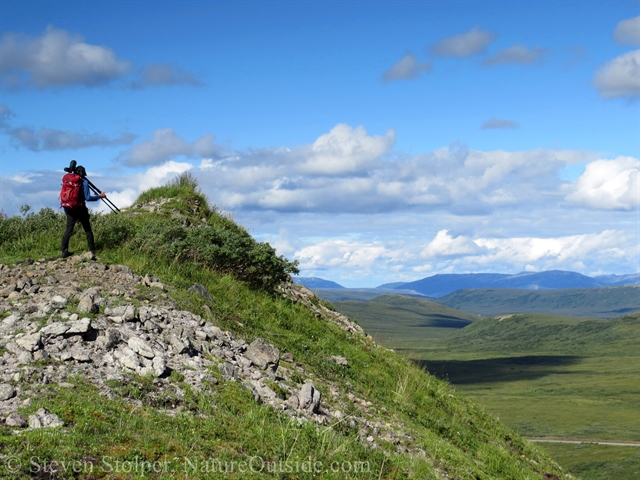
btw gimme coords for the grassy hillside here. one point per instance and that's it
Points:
(173, 234)
(550, 376)
(398, 321)
(605, 302)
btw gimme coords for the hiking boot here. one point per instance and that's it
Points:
(66, 253)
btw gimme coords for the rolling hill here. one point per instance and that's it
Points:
(398, 321)
(604, 302)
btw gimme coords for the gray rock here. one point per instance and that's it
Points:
(159, 365)
(80, 326)
(54, 330)
(6, 392)
(43, 419)
(309, 398)
(58, 302)
(80, 356)
(30, 342)
(128, 358)
(202, 291)
(8, 290)
(141, 347)
(15, 420)
(263, 355)
(24, 357)
(340, 360)
(11, 320)
(110, 339)
(125, 313)
(87, 305)
(179, 345)
(228, 371)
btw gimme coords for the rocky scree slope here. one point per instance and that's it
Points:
(147, 334)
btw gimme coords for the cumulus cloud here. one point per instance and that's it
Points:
(549, 252)
(159, 74)
(620, 77)
(464, 45)
(346, 150)
(44, 139)
(628, 31)
(164, 145)
(444, 245)
(406, 68)
(516, 54)
(348, 170)
(359, 256)
(56, 59)
(498, 123)
(608, 185)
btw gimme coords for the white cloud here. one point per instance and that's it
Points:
(498, 123)
(56, 59)
(444, 245)
(628, 31)
(346, 150)
(620, 77)
(516, 54)
(464, 45)
(406, 68)
(344, 171)
(164, 145)
(550, 252)
(608, 185)
(333, 253)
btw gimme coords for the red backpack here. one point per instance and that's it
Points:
(71, 194)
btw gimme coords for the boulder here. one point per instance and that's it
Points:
(309, 398)
(43, 419)
(30, 342)
(6, 392)
(263, 355)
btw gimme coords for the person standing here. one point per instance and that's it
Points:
(74, 195)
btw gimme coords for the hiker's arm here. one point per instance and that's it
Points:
(87, 193)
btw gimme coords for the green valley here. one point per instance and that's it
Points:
(544, 375)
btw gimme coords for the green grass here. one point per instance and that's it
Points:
(399, 320)
(598, 462)
(222, 422)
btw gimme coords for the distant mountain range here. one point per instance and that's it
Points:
(444, 284)
(315, 282)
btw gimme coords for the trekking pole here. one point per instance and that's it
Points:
(107, 202)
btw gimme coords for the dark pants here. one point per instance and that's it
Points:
(80, 214)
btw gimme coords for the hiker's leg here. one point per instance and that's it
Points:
(86, 224)
(71, 222)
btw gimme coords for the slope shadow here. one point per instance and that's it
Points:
(505, 369)
(443, 321)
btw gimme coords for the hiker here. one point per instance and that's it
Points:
(75, 192)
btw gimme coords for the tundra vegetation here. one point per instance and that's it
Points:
(543, 375)
(126, 430)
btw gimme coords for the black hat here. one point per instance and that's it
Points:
(81, 171)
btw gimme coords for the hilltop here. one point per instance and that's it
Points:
(186, 349)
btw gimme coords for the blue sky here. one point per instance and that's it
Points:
(372, 141)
